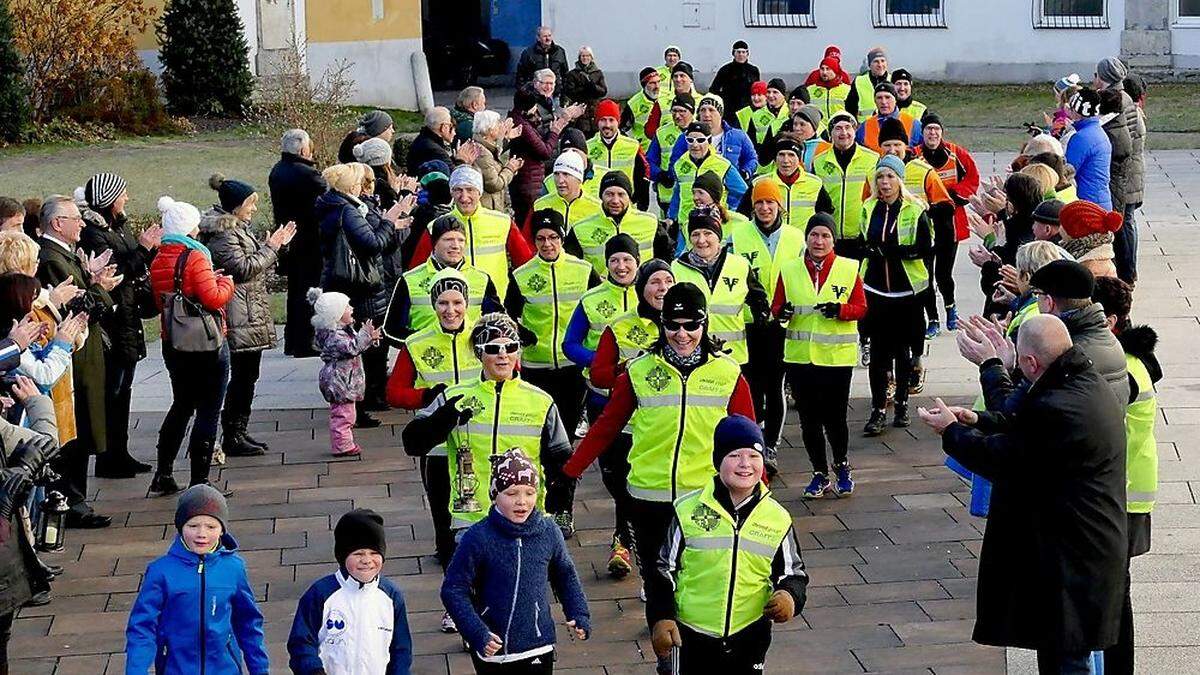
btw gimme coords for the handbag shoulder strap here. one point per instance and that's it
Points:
(180, 263)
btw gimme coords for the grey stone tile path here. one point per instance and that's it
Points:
(892, 568)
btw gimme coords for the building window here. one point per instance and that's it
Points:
(1070, 13)
(778, 13)
(1187, 13)
(908, 14)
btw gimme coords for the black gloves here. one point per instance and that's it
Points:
(449, 416)
(431, 394)
(32, 454)
(666, 179)
(15, 485)
(829, 310)
(786, 312)
(528, 337)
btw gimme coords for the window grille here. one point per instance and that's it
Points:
(778, 13)
(908, 13)
(1070, 14)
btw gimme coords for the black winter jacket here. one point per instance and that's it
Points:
(123, 325)
(370, 237)
(425, 147)
(295, 185)
(250, 324)
(732, 83)
(534, 58)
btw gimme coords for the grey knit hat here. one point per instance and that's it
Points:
(375, 122)
(201, 500)
(1111, 70)
(374, 152)
(103, 189)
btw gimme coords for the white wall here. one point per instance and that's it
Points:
(382, 69)
(987, 40)
(1185, 45)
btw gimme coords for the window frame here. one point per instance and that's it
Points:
(882, 18)
(753, 18)
(1043, 21)
(1178, 20)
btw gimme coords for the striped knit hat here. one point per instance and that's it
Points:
(103, 189)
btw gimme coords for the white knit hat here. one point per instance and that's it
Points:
(374, 152)
(328, 307)
(466, 176)
(178, 217)
(571, 164)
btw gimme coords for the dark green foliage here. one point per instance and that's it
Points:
(206, 68)
(14, 97)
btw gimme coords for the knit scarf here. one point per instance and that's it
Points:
(1091, 247)
(187, 242)
(683, 363)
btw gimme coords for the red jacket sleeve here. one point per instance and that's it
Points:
(606, 364)
(856, 308)
(400, 390)
(609, 425)
(740, 402)
(201, 283)
(653, 120)
(779, 299)
(519, 250)
(422, 252)
(968, 182)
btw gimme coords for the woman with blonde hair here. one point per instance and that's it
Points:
(1046, 177)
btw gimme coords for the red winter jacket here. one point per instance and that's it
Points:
(200, 283)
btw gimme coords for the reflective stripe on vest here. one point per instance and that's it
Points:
(601, 305)
(420, 279)
(748, 242)
(845, 188)
(828, 100)
(487, 237)
(799, 198)
(726, 301)
(673, 424)
(810, 337)
(1141, 457)
(550, 291)
(906, 235)
(582, 207)
(866, 96)
(634, 334)
(507, 415)
(685, 174)
(620, 156)
(593, 234)
(668, 133)
(441, 358)
(724, 576)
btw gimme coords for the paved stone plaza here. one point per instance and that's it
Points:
(892, 568)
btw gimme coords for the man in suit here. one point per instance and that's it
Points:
(59, 260)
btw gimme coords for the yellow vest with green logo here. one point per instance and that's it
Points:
(620, 156)
(668, 134)
(916, 171)
(724, 577)
(762, 120)
(634, 333)
(845, 188)
(726, 301)
(640, 107)
(582, 207)
(916, 110)
(487, 240)
(1141, 459)
(551, 291)
(591, 185)
(685, 174)
(812, 338)
(507, 415)
(442, 358)
(866, 96)
(420, 279)
(593, 235)
(673, 424)
(602, 305)
(748, 242)
(666, 86)
(829, 101)
(906, 235)
(1068, 194)
(799, 198)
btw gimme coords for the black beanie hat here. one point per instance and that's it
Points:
(646, 72)
(547, 219)
(648, 269)
(572, 139)
(1065, 279)
(697, 127)
(887, 88)
(788, 142)
(360, 528)
(734, 433)
(930, 119)
(740, 44)
(524, 98)
(684, 101)
(616, 179)
(801, 93)
(705, 218)
(778, 85)
(820, 220)
(685, 68)
(892, 129)
(443, 224)
(711, 183)
(684, 301)
(901, 74)
(231, 193)
(622, 243)
(1048, 211)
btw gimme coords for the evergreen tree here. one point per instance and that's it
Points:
(14, 96)
(206, 67)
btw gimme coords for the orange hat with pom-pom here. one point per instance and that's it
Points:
(1081, 218)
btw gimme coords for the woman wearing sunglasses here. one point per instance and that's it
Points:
(672, 397)
(484, 418)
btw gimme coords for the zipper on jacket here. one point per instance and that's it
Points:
(516, 591)
(203, 617)
(454, 355)
(842, 225)
(471, 239)
(887, 276)
(679, 436)
(537, 617)
(554, 304)
(496, 418)
(737, 531)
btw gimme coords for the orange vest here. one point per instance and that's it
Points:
(871, 130)
(948, 172)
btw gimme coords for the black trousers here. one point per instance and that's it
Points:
(895, 327)
(375, 369)
(544, 665)
(435, 475)
(941, 265)
(6, 622)
(764, 373)
(650, 521)
(743, 653)
(71, 465)
(118, 388)
(566, 387)
(298, 332)
(244, 370)
(822, 395)
(198, 381)
(614, 472)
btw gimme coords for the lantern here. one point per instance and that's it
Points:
(51, 521)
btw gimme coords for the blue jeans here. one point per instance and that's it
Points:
(1125, 245)
(1056, 663)
(198, 381)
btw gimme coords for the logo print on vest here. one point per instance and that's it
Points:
(425, 283)
(336, 623)
(839, 291)
(637, 335)
(537, 283)
(705, 518)
(730, 282)
(658, 378)
(432, 357)
(599, 236)
(606, 309)
(473, 404)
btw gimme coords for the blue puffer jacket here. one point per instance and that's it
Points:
(185, 595)
(371, 238)
(735, 146)
(497, 583)
(1090, 152)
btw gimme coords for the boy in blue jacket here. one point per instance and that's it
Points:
(497, 585)
(195, 610)
(353, 622)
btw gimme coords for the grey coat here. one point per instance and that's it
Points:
(21, 575)
(1091, 335)
(248, 315)
(1134, 171)
(1122, 151)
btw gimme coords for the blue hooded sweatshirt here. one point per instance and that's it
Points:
(497, 583)
(196, 614)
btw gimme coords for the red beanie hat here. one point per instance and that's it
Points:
(834, 51)
(1081, 218)
(833, 63)
(758, 88)
(608, 108)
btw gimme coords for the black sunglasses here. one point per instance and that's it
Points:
(684, 325)
(495, 348)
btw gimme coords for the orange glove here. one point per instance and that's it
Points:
(781, 607)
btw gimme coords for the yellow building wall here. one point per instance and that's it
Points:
(354, 20)
(147, 40)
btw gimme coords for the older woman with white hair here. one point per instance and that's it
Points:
(493, 133)
(899, 238)
(585, 84)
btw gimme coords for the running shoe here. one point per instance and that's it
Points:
(448, 623)
(844, 486)
(864, 348)
(818, 487)
(566, 523)
(951, 318)
(933, 330)
(875, 425)
(620, 560)
(900, 416)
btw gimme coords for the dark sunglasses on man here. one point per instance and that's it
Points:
(690, 326)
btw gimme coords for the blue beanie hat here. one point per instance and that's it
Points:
(734, 433)
(231, 193)
(891, 162)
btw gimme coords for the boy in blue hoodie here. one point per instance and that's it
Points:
(497, 585)
(196, 610)
(353, 622)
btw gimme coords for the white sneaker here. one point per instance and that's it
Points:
(448, 623)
